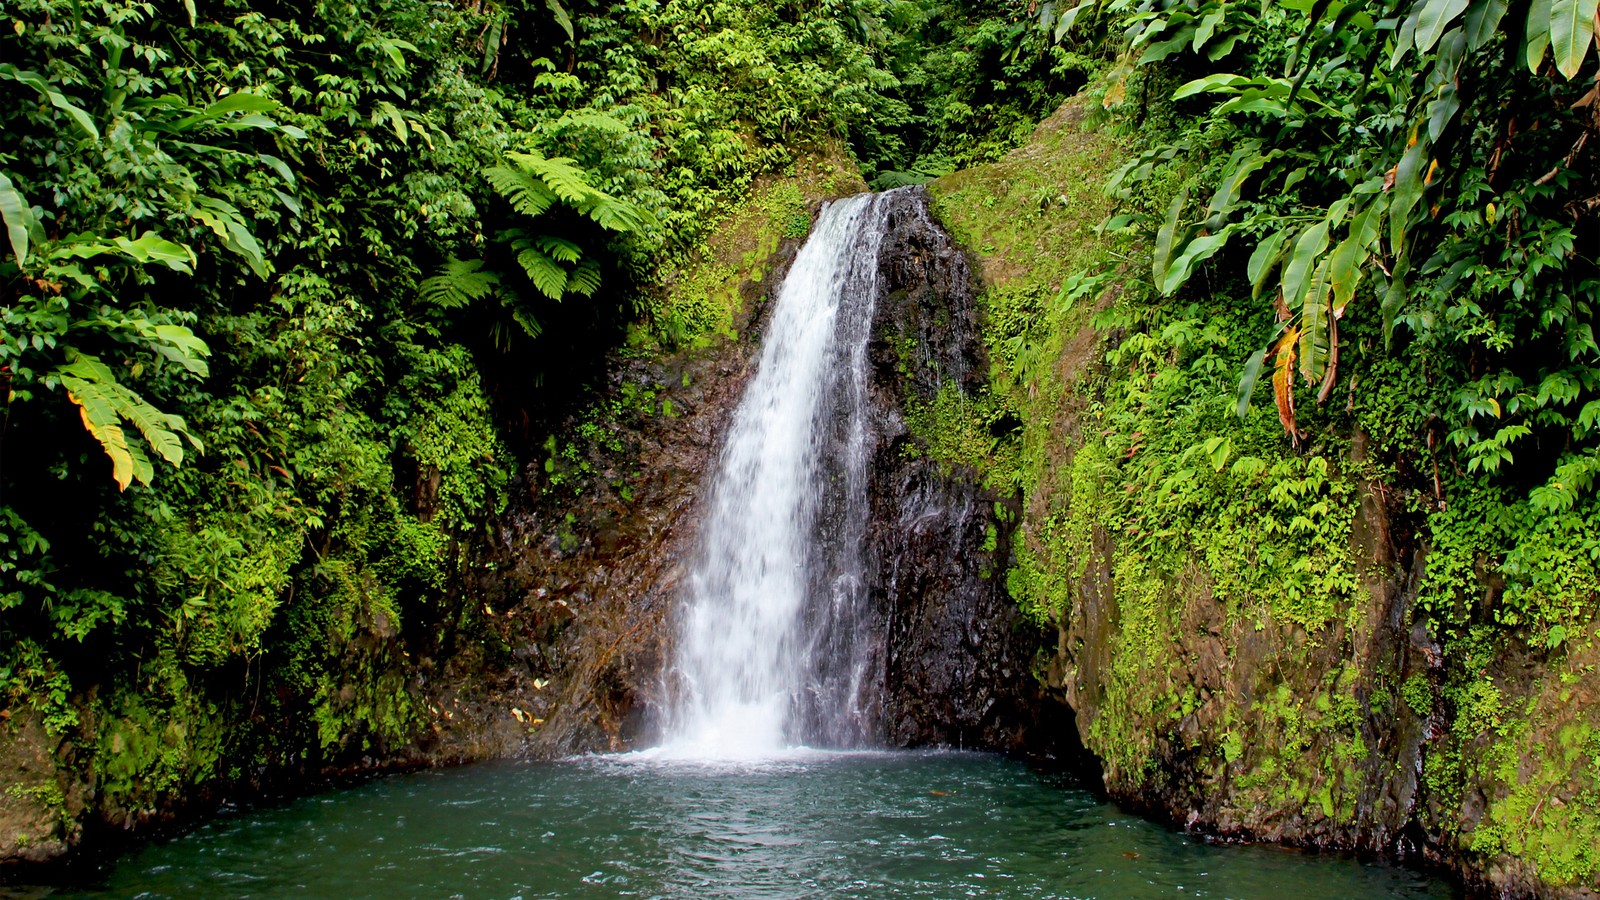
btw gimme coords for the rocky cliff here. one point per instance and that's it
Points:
(1318, 642)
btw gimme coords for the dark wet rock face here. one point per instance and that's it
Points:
(957, 652)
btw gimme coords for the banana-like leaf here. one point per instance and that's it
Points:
(151, 247)
(1297, 272)
(1208, 27)
(1166, 237)
(53, 97)
(1247, 382)
(1483, 20)
(1406, 36)
(1394, 298)
(1267, 255)
(14, 211)
(243, 102)
(1407, 192)
(1246, 161)
(225, 220)
(1195, 252)
(1316, 315)
(1350, 257)
(562, 19)
(1069, 18)
(1538, 39)
(1283, 380)
(177, 343)
(1221, 81)
(1571, 33)
(386, 111)
(1436, 16)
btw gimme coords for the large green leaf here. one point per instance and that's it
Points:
(1407, 191)
(1436, 16)
(1571, 33)
(1307, 250)
(228, 223)
(562, 19)
(246, 103)
(103, 404)
(1247, 382)
(1315, 321)
(1219, 82)
(1483, 20)
(1266, 255)
(1394, 298)
(53, 97)
(1245, 162)
(1349, 258)
(14, 211)
(179, 344)
(1069, 18)
(1166, 236)
(1538, 39)
(1195, 252)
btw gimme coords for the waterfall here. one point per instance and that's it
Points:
(775, 643)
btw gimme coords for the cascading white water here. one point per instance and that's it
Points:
(769, 650)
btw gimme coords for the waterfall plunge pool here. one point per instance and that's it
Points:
(801, 824)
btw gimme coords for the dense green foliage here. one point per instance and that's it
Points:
(293, 297)
(1400, 225)
(290, 293)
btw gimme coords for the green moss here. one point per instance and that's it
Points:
(1132, 465)
(154, 743)
(1418, 694)
(704, 297)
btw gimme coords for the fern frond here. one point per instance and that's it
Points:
(585, 120)
(527, 321)
(546, 274)
(614, 214)
(569, 182)
(559, 249)
(458, 283)
(585, 279)
(526, 192)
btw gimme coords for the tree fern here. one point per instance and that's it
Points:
(615, 215)
(532, 183)
(585, 279)
(546, 274)
(458, 283)
(527, 193)
(559, 249)
(559, 175)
